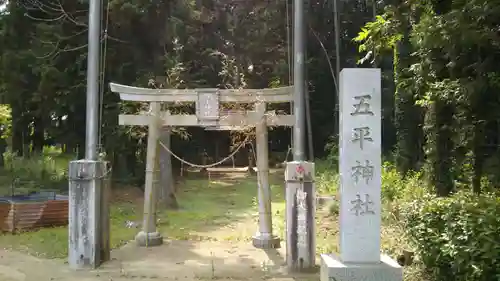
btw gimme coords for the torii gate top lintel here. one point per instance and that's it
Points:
(207, 101)
(268, 95)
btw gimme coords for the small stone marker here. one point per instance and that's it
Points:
(360, 183)
(300, 215)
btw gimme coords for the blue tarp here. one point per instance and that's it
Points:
(36, 196)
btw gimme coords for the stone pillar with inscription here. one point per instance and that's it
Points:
(360, 183)
(300, 215)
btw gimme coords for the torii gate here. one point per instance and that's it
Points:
(207, 115)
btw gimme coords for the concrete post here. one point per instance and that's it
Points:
(149, 236)
(300, 215)
(88, 214)
(264, 238)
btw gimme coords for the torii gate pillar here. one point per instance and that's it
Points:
(149, 236)
(264, 238)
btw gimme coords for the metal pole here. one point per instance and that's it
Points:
(337, 40)
(310, 144)
(298, 82)
(374, 13)
(374, 10)
(336, 27)
(92, 125)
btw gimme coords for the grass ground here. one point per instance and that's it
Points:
(225, 207)
(53, 242)
(205, 206)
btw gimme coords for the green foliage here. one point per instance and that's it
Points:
(443, 61)
(46, 171)
(398, 188)
(378, 36)
(457, 238)
(394, 186)
(334, 207)
(5, 120)
(194, 44)
(396, 191)
(327, 177)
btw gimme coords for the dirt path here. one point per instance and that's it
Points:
(211, 258)
(175, 260)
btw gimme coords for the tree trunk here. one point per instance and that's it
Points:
(3, 148)
(26, 141)
(407, 114)
(166, 180)
(38, 138)
(439, 147)
(388, 129)
(17, 130)
(445, 150)
(478, 157)
(251, 160)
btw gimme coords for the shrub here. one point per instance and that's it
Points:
(334, 207)
(397, 188)
(457, 238)
(327, 178)
(46, 171)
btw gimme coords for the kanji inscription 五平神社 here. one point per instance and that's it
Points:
(360, 165)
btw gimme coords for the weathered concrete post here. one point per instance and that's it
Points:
(149, 236)
(360, 183)
(264, 238)
(300, 216)
(88, 214)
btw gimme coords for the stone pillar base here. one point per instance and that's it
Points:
(333, 269)
(266, 241)
(144, 239)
